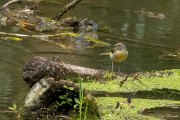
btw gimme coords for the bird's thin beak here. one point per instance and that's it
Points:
(114, 45)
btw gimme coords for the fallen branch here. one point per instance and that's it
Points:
(66, 8)
(40, 67)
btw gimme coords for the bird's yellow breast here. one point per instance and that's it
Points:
(118, 56)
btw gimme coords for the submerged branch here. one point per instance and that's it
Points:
(14, 34)
(149, 43)
(49, 38)
(141, 42)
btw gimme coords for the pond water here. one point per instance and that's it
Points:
(120, 16)
(167, 112)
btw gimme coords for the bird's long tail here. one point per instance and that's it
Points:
(105, 53)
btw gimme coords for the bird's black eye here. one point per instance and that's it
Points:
(121, 47)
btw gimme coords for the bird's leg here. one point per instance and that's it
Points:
(119, 68)
(112, 66)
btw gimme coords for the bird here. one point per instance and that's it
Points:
(118, 54)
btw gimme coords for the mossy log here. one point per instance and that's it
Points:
(53, 100)
(70, 32)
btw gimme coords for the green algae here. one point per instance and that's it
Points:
(145, 82)
(149, 90)
(129, 111)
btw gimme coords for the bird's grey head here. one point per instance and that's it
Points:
(120, 46)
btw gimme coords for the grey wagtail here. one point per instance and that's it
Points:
(118, 54)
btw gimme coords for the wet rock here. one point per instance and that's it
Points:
(79, 24)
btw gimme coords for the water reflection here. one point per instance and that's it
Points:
(124, 29)
(12, 87)
(140, 27)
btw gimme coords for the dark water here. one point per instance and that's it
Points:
(167, 113)
(117, 14)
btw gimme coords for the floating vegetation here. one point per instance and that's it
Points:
(170, 55)
(12, 38)
(151, 14)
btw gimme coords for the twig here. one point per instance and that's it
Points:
(9, 3)
(66, 8)
(123, 81)
(14, 34)
(20, 1)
